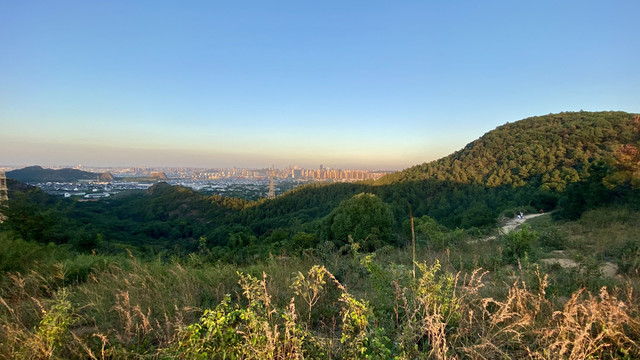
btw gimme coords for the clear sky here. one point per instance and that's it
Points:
(348, 84)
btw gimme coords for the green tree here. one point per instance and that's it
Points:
(364, 217)
(302, 240)
(517, 244)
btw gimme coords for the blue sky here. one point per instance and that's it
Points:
(357, 84)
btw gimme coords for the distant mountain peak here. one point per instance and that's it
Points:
(37, 174)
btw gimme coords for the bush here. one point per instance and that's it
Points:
(364, 217)
(78, 268)
(553, 239)
(20, 255)
(517, 244)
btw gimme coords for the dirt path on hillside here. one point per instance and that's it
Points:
(509, 226)
(558, 257)
(608, 269)
(514, 223)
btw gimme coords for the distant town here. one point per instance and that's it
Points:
(246, 183)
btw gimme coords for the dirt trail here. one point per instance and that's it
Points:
(608, 269)
(509, 226)
(514, 223)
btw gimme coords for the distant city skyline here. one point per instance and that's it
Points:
(286, 171)
(97, 168)
(354, 85)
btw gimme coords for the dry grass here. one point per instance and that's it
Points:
(137, 309)
(602, 327)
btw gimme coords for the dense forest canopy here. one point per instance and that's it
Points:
(549, 151)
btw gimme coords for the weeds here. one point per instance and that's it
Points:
(354, 306)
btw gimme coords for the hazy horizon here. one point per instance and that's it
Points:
(81, 166)
(359, 85)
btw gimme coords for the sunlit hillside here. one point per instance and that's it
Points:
(548, 151)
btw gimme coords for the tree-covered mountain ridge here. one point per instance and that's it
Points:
(39, 174)
(549, 151)
(541, 163)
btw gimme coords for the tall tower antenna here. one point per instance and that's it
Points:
(272, 189)
(4, 192)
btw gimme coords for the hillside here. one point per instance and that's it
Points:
(331, 271)
(470, 189)
(537, 293)
(529, 163)
(37, 174)
(548, 152)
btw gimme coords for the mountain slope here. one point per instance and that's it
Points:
(35, 174)
(548, 151)
(522, 166)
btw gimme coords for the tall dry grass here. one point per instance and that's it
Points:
(147, 309)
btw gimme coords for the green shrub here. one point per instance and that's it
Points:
(53, 330)
(553, 239)
(77, 269)
(21, 255)
(630, 259)
(517, 244)
(364, 217)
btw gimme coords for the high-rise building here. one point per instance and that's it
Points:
(4, 192)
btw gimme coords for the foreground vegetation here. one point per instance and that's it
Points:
(469, 299)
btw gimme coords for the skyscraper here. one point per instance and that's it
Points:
(4, 192)
(272, 190)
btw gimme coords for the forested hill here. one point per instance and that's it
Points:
(541, 163)
(38, 174)
(548, 152)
